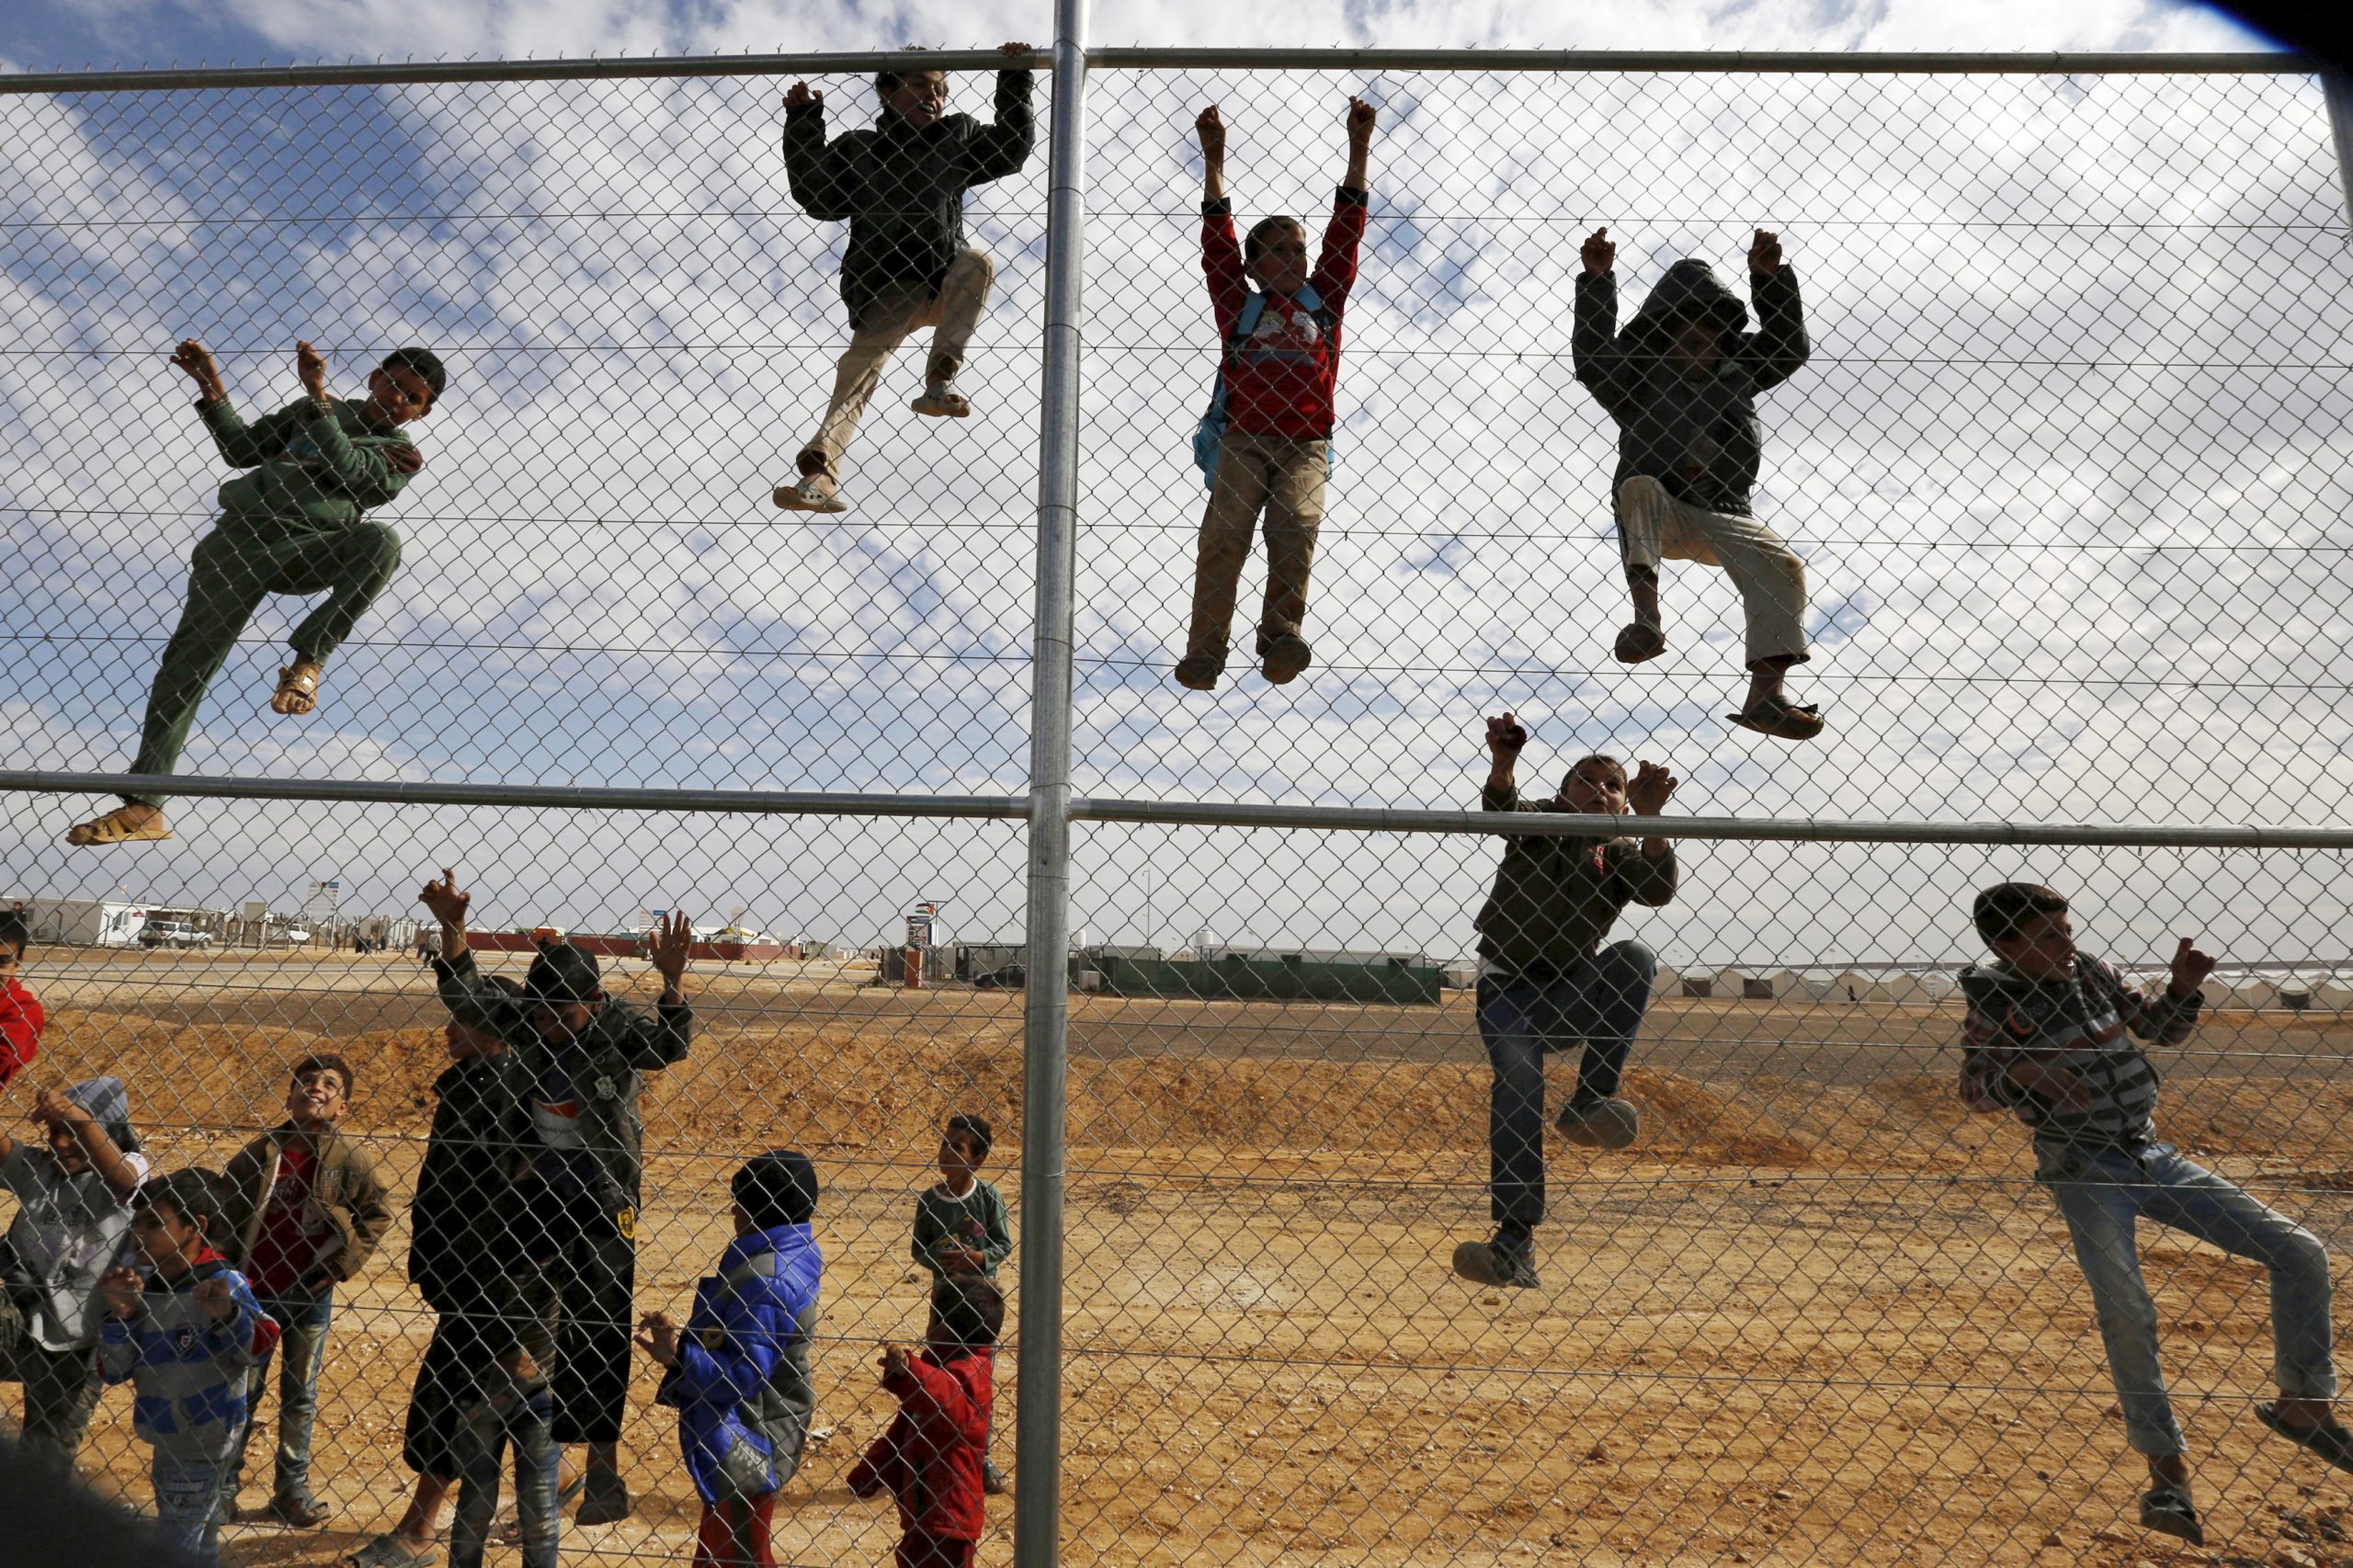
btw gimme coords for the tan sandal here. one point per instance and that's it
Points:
(298, 689)
(118, 827)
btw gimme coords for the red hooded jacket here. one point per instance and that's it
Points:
(1283, 382)
(20, 1024)
(930, 1459)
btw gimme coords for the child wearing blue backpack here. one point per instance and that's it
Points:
(1266, 444)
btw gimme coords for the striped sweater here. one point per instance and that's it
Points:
(188, 1371)
(2080, 1025)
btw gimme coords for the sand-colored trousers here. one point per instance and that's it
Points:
(899, 309)
(1284, 477)
(1770, 577)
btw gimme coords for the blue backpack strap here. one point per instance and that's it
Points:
(1211, 429)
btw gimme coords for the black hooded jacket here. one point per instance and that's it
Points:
(1699, 438)
(902, 189)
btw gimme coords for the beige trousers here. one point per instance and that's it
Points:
(1283, 476)
(899, 309)
(1770, 577)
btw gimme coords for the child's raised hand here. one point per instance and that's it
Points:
(1599, 253)
(443, 899)
(1764, 253)
(2190, 968)
(1649, 791)
(404, 460)
(800, 96)
(673, 941)
(658, 1337)
(1211, 128)
(1014, 50)
(895, 1361)
(1506, 735)
(215, 1299)
(311, 366)
(197, 360)
(118, 1291)
(1360, 118)
(52, 1108)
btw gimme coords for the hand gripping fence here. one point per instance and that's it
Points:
(1588, 955)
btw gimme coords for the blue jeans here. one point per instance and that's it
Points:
(188, 1504)
(1600, 1001)
(302, 1321)
(2101, 1193)
(489, 1427)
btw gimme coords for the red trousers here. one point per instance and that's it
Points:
(936, 1551)
(735, 1535)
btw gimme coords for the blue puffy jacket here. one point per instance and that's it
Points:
(742, 1387)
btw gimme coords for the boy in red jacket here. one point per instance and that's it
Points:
(930, 1459)
(1281, 362)
(21, 1015)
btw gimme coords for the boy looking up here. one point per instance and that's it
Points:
(739, 1376)
(1681, 382)
(184, 1338)
(306, 1207)
(2047, 1037)
(73, 1189)
(1280, 366)
(577, 1059)
(21, 1017)
(930, 1459)
(901, 185)
(296, 525)
(1546, 981)
(962, 1225)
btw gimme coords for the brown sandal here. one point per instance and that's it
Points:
(298, 689)
(115, 828)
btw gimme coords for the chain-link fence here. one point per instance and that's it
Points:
(2062, 467)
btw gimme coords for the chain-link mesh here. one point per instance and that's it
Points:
(2064, 468)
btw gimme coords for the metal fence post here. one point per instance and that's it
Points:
(1037, 1520)
(2337, 88)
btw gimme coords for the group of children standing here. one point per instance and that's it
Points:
(194, 1286)
(1680, 381)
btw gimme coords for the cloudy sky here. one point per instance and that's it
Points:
(2068, 467)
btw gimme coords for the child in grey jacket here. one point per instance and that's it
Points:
(185, 1340)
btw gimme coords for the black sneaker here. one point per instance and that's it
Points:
(1498, 1262)
(603, 1501)
(1287, 656)
(1198, 671)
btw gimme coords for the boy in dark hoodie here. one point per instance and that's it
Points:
(900, 186)
(1681, 382)
(1279, 370)
(739, 1376)
(2046, 1037)
(930, 1459)
(295, 525)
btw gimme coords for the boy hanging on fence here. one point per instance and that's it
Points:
(1547, 982)
(185, 1337)
(306, 1208)
(962, 1225)
(901, 185)
(1267, 442)
(1681, 382)
(930, 1459)
(296, 525)
(2047, 1037)
(739, 1375)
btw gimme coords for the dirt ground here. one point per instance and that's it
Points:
(1818, 1315)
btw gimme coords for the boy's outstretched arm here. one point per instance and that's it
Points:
(1002, 148)
(1210, 125)
(812, 169)
(1335, 265)
(1221, 247)
(240, 445)
(1779, 347)
(1362, 116)
(2171, 1017)
(369, 475)
(1593, 338)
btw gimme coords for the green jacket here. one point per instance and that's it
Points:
(619, 1048)
(979, 1219)
(1552, 905)
(343, 1183)
(324, 466)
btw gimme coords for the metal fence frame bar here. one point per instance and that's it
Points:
(1712, 62)
(1045, 1053)
(575, 797)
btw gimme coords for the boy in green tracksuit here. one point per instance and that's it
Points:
(963, 1227)
(295, 525)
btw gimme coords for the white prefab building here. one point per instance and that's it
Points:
(85, 921)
